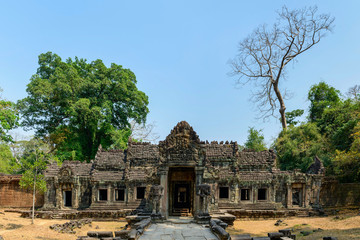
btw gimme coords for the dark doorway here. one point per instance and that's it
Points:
(67, 198)
(181, 191)
(296, 196)
(262, 194)
(182, 195)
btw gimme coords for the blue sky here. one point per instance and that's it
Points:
(179, 51)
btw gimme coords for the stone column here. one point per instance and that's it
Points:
(304, 195)
(49, 201)
(94, 193)
(109, 199)
(164, 203)
(237, 193)
(76, 193)
(199, 171)
(289, 196)
(59, 197)
(255, 194)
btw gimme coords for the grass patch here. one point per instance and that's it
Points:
(12, 226)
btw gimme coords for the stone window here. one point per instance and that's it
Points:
(103, 196)
(224, 192)
(120, 194)
(245, 194)
(262, 192)
(140, 192)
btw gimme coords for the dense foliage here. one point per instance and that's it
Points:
(255, 140)
(78, 105)
(8, 119)
(6, 159)
(331, 132)
(297, 146)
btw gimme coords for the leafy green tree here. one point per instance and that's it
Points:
(291, 116)
(297, 147)
(347, 163)
(34, 162)
(322, 97)
(255, 140)
(335, 117)
(338, 124)
(9, 119)
(6, 159)
(79, 105)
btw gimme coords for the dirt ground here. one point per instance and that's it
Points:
(306, 228)
(12, 227)
(347, 226)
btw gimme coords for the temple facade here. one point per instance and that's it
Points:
(123, 179)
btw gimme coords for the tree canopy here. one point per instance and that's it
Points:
(9, 119)
(78, 105)
(255, 140)
(331, 133)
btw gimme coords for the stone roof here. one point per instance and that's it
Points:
(143, 151)
(109, 175)
(265, 158)
(77, 168)
(140, 173)
(110, 159)
(216, 151)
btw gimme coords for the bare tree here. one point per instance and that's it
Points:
(354, 92)
(263, 56)
(143, 132)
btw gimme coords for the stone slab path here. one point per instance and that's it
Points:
(176, 231)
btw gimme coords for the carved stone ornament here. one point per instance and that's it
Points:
(181, 144)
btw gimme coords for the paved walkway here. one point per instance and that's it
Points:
(177, 231)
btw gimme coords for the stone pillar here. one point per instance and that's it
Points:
(255, 194)
(237, 193)
(94, 193)
(304, 195)
(76, 194)
(164, 203)
(59, 197)
(109, 193)
(49, 200)
(199, 171)
(289, 196)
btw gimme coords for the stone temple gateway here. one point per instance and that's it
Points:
(239, 180)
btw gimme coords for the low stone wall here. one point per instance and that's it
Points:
(257, 214)
(13, 196)
(74, 214)
(335, 194)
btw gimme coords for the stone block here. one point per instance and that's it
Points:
(241, 237)
(123, 234)
(275, 235)
(286, 232)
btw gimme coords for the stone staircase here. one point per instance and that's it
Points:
(181, 212)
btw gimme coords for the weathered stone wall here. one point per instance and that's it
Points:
(335, 194)
(13, 196)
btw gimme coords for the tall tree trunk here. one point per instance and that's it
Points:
(282, 107)
(33, 203)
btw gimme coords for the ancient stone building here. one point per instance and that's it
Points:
(122, 179)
